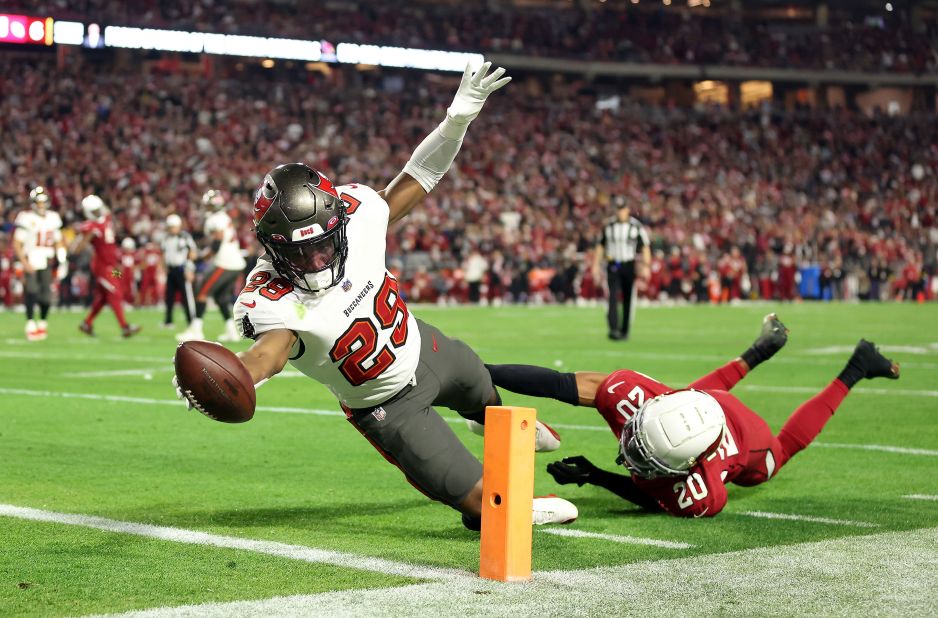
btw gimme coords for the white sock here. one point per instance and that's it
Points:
(42, 325)
(30, 324)
(196, 325)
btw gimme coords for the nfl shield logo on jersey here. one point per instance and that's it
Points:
(346, 285)
(379, 413)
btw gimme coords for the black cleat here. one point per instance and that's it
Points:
(868, 359)
(130, 330)
(773, 337)
(616, 335)
(86, 328)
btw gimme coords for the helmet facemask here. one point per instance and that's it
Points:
(637, 454)
(312, 265)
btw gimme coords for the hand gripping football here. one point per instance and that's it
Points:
(215, 381)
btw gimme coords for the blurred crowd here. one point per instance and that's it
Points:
(612, 31)
(757, 204)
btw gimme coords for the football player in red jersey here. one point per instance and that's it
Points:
(682, 446)
(98, 231)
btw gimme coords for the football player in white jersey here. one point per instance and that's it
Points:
(322, 299)
(37, 239)
(227, 263)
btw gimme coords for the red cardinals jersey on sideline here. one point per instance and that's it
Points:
(103, 241)
(745, 454)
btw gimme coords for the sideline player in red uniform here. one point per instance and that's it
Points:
(682, 446)
(98, 231)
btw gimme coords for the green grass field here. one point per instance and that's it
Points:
(91, 427)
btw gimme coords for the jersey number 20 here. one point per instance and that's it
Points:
(364, 331)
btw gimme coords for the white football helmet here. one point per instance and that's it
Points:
(128, 244)
(39, 199)
(93, 207)
(174, 221)
(213, 200)
(671, 433)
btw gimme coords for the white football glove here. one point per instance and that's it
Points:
(61, 271)
(180, 394)
(473, 90)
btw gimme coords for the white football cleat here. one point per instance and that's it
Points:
(42, 330)
(190, 334)
(231, 333)
(545, 438)
(32, 331)
(550, 509)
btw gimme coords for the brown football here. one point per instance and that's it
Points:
(216, 381)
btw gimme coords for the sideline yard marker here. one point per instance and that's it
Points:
(507, 493)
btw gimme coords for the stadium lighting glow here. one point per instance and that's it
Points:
(68, 32)
(25, 29)
(889, 6)
(72, 33)
(352, 53)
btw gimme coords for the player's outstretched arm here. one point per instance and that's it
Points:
(581, 471)
(269, 354)
(436, 153)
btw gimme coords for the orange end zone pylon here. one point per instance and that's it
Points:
(507, 493)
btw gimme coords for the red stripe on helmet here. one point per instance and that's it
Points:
(261, 206)
(325, 184)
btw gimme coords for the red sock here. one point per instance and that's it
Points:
(724, 378)
(117, 304)
(809, 419)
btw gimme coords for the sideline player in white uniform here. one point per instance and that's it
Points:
(227, 266)
(38, 237)
(322, 299)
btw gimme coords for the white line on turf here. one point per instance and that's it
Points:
(809, 518)
(453, 420)
(615, 538)
(880, 447)
(879, 574)
(921, 497)
(273, 548)
(860, 390)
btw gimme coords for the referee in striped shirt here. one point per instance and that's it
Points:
(621, 240)
(178, 252)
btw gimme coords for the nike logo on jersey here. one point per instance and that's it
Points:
(702, 513)
(249, 305)
(613, 387)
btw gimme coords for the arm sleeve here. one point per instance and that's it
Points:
(624, 487)
(435, 154)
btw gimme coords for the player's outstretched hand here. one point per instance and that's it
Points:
(180, 394)
(575, 469)
(474, 89)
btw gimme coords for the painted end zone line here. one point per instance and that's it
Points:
(272, 548)
(817, 520)
(921, 497)
(629, 540)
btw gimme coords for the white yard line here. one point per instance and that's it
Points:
(615, 538)
(149, 371)
(921, 497)
(880, 574)
(272, 548)
(860, 390)
(809, 518)
(880, 447)
(452, 420)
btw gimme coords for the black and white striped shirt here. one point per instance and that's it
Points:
(622, 240)
(176, 249)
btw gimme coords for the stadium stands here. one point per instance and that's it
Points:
(646, 33)
(832, 194)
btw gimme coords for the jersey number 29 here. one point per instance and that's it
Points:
(365, 332)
